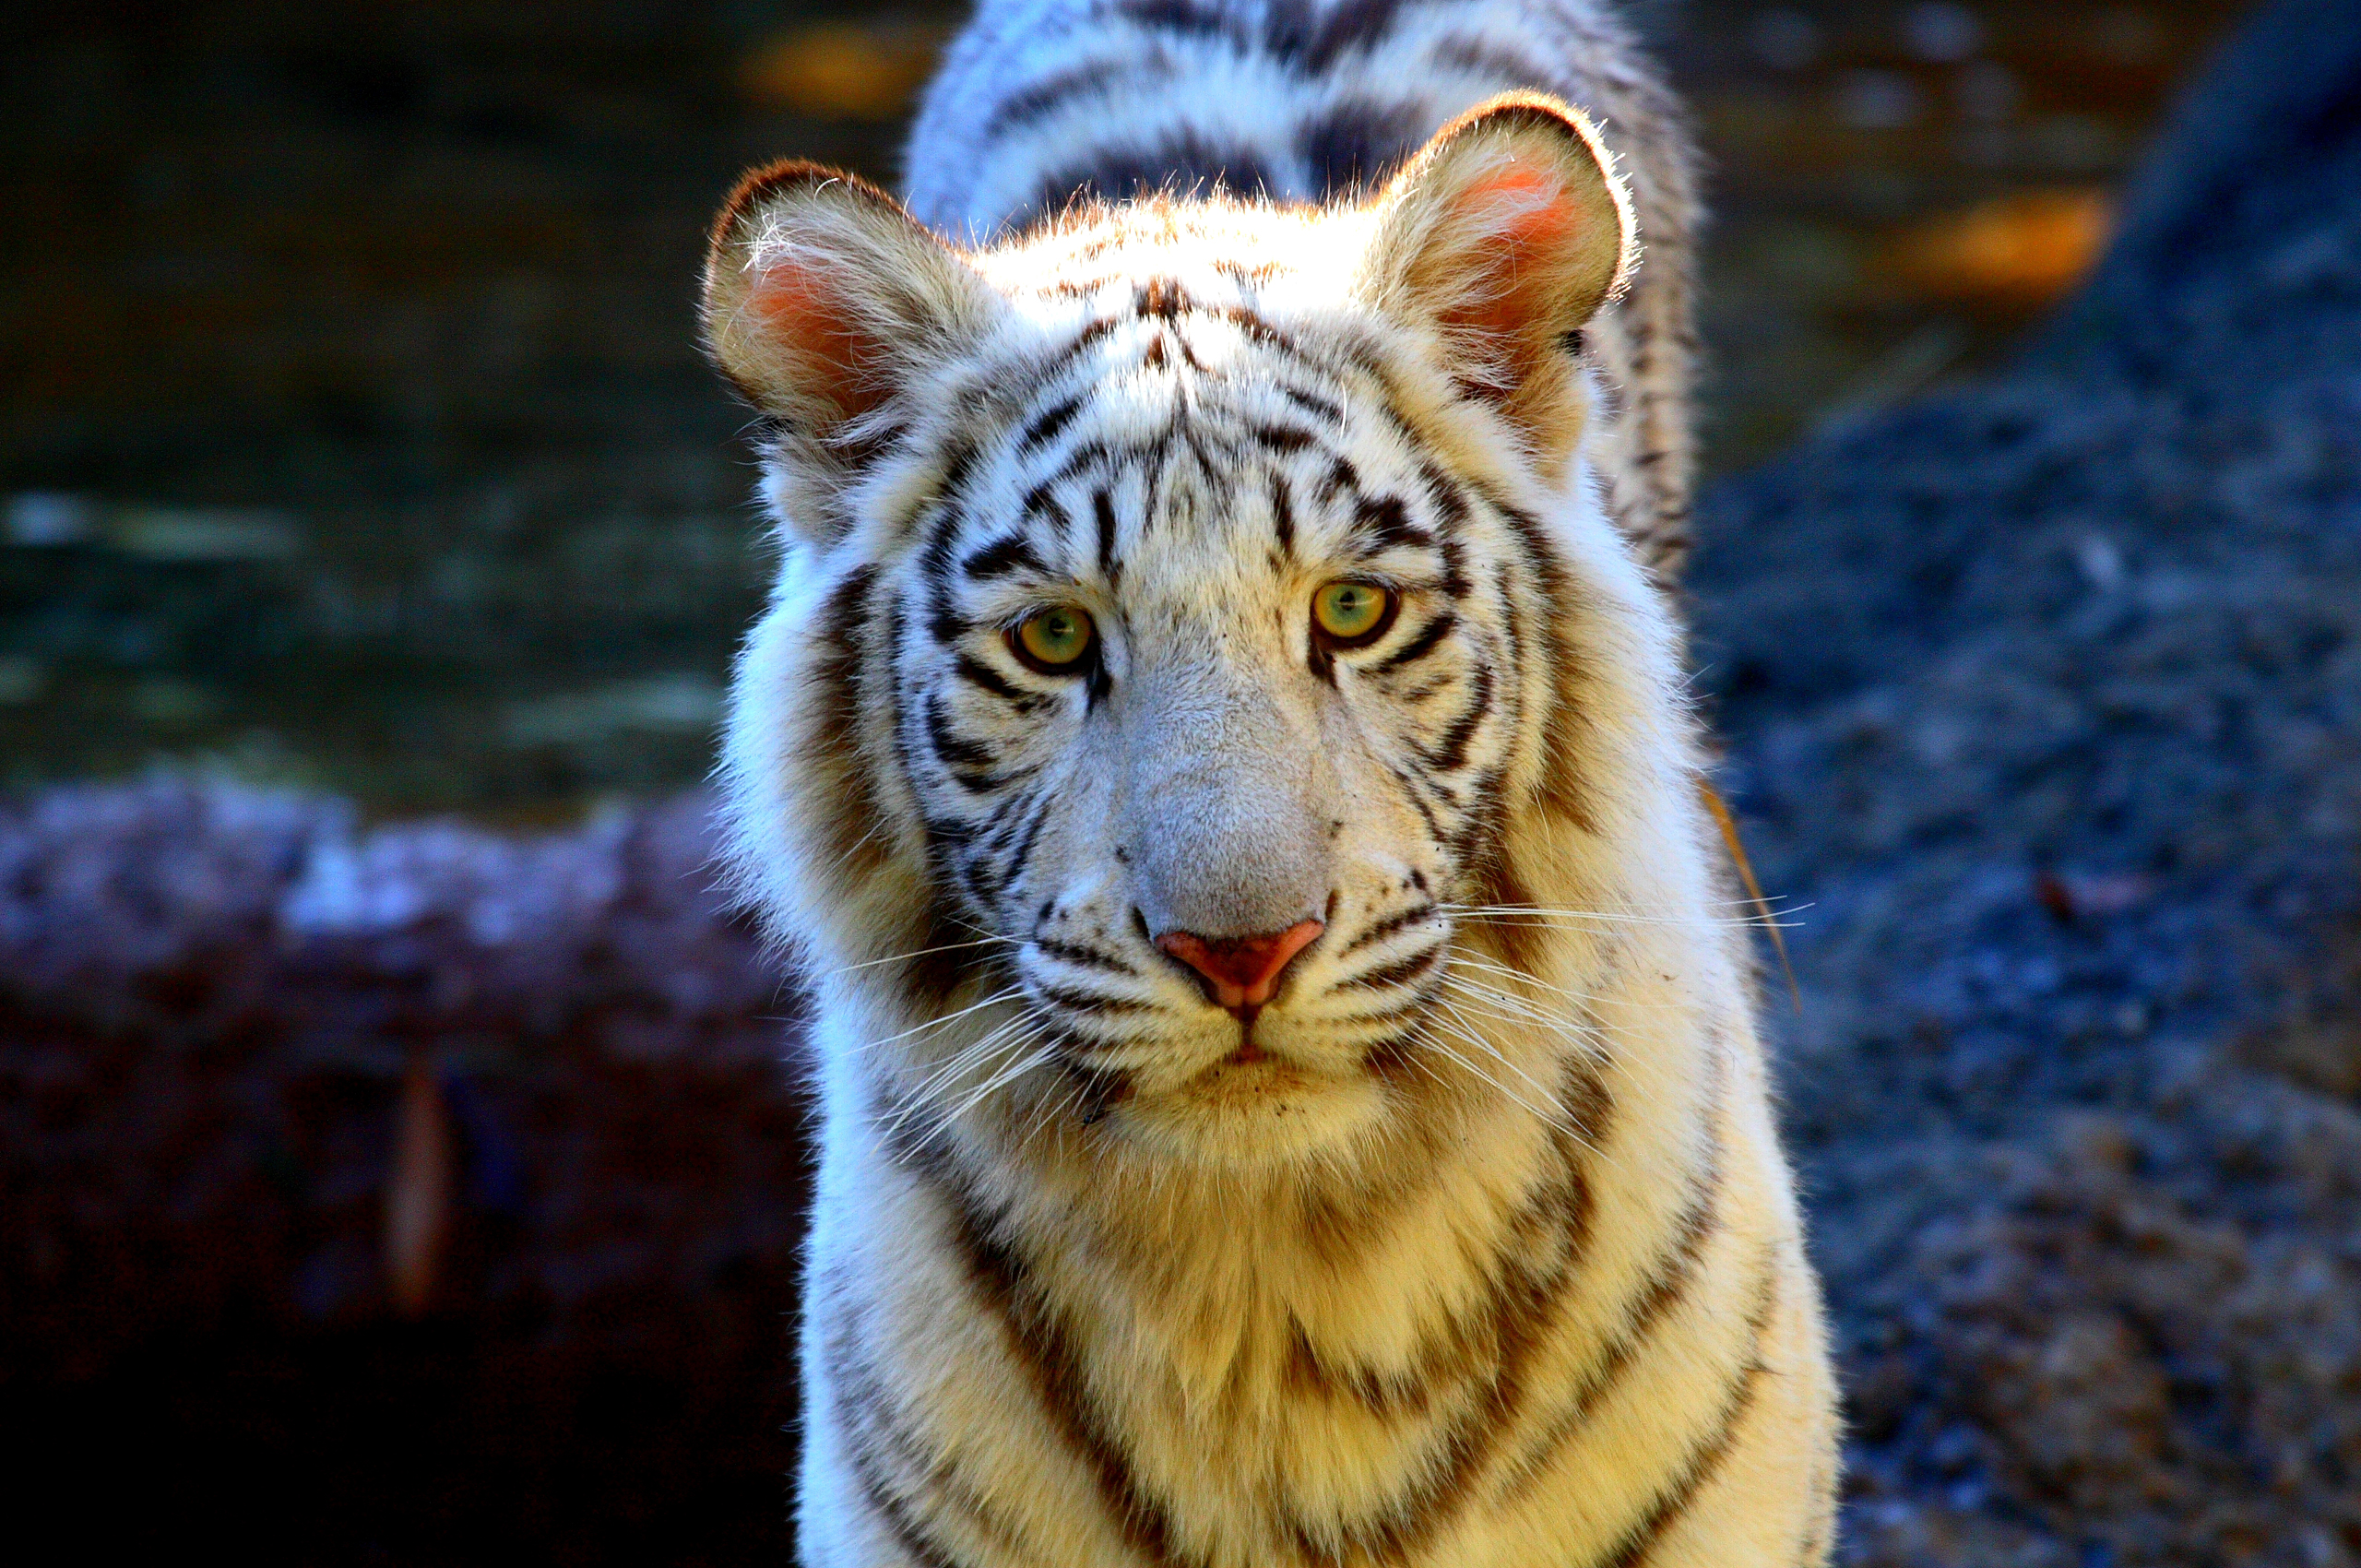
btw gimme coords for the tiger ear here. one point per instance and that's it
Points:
(1502, 237)
(823, 298)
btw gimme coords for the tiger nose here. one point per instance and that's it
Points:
(1240, 971)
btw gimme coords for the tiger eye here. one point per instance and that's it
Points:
(1348, 612)
(1054, 639)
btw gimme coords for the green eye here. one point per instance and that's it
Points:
(1351, 613)
(1053, 640)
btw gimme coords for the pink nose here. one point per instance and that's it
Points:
(1240, 971)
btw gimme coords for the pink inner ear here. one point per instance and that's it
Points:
(1520, 217)
(805, 315)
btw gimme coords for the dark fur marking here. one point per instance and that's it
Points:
(1102, 512)
(1450, 753)
(1003, 555)
(1353, 146)
(1485, 58)
(1380, 929)
(1162, 298)
(1189, 18)
(1490, 1356)
(1184, 162)
(1454, 567)
(1083, 958)
(861, 1403)
(1052, 93)
(1430, 636)
(1045, 428)
(1023, 853)
(1086, 1004)
(1313, 403)
(975, 672)
(944, 621)
(970, 762)
(1640, 1540)
(1398, 972)
(1385, 522)
(1309, 47)
(844, 617)
(1038, 1341)
(1280, 437)
(1341, 478)
(1668, 1281)
(1283, 514)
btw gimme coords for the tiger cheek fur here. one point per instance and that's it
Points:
(1468, 1239)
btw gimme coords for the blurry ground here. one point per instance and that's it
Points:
(351, 433)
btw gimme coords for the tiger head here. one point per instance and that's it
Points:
(1196, 623)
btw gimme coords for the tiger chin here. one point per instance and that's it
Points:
(1288, 1080)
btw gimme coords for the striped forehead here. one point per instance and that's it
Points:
(1163, 475)
(1197, 421)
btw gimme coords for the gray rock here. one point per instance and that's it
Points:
(2043, 703)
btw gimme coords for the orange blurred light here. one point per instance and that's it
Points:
(2016, 253)
(841, 70)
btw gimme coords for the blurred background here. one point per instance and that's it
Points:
(352, 432)
(397, 1164)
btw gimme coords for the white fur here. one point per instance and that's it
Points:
(1476, 1246)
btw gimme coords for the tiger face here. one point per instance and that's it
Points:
(1176, 611)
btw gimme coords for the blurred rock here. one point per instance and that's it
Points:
(230, 1018)
(2046, 698)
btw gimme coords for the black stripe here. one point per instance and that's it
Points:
(1313, 403)
(1341, 478)
(1387, 926)
(1035, 1334)
(1395, 973)
(1387, 522)
(1444, 494)
(868, 1469)
(1667, 1283)
(1426, 813)
(1354, 145)
(1280, 437)
(1083, 958)
(1634, 1545)
(1310, 48)
(1185, 162)
(1102, 513)
(1090, 454)
(1454, 567)
(976, 672)
(1002, 556)
(1189, 18)
(970, 762)
(1023, 853)
(1530, 1279)
(1485, 58)
(944, 621)
(1261, 332)
(1452, 755)
(1282, 512)
(1087, 1003)
(1430, 637)
(1049, 423)
(1050, 93)
(835, 741)
(1073, 348)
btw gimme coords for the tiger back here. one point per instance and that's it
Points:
(1289, 1086)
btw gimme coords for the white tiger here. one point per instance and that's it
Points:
(1289, 1088)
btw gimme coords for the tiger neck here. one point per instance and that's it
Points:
(1256, 1292)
